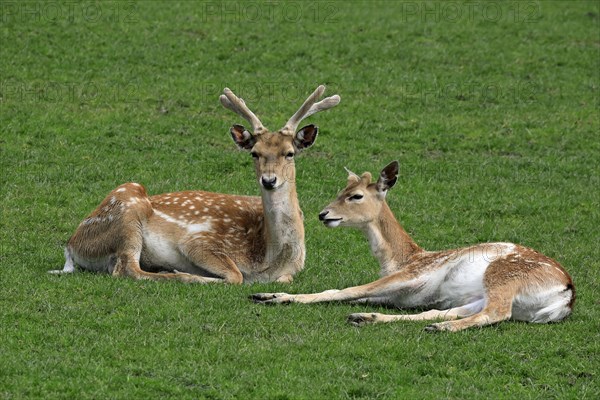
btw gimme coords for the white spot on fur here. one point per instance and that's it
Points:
(168, 218)
(198, 228)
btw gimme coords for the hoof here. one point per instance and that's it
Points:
(270, 298)
(260, 297)
(189, 278)
(439, 327)
(360, 319)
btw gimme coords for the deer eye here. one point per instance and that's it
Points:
(355, 197)
(254, 154)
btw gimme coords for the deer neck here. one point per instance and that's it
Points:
(283, 217)
(389, 242)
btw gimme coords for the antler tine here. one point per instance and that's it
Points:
(309, 108)
(237, 105)
(350, 173)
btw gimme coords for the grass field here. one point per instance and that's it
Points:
(490, 107)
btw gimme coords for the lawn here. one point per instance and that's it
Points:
(491, 108)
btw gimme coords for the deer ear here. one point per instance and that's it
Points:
(242, 137)
(306, 136)
(387, 177)
(366, 178)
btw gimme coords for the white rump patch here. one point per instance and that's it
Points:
(69, 265)
(542, 305)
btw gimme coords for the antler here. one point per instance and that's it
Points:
(237, 105)
(309, 108)
(352, 175)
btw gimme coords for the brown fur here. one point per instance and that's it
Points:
(204, 237)
(515, 281)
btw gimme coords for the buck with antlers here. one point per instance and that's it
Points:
(481, 284)
(196, 236)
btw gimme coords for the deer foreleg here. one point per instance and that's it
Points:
(214, 262)
(379, 289)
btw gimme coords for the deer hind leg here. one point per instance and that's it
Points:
(498, 308)
(129, 251)
(110, 240)
(96, 240)
(359, 319)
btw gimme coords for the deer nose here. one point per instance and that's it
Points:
(322, 215)
(268, 183)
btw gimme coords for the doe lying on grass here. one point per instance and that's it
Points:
(196, 236)
(482, 284)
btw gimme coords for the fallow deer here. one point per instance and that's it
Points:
(197, 236)
(482, 284)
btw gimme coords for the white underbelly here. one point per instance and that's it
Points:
(464, 286)
(456, 283)
(159, 251)
(463, 280)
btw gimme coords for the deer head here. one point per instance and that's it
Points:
(360, 202)
(274, 152)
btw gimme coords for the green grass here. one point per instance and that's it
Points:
(490, 107)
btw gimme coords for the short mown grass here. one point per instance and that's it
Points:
(490, 107)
